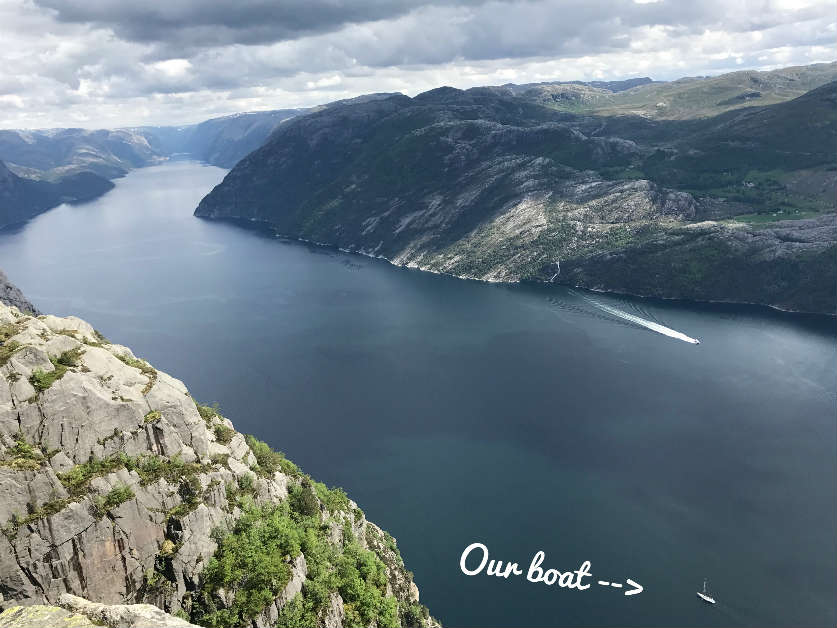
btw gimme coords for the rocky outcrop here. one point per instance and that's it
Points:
(76, 612)
(117, 487)
(42, 616)
(10, 294)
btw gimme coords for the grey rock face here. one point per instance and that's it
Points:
(113, 484)
(11, 295)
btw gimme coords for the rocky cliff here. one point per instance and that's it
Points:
(11, 295)
(115, 485)
(483, 185)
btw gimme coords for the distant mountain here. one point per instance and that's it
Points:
(743, 154)
(488, 185)
(54, 153)
(219, 141)
(681, 99)
(47, 167)
(21, 198)
(226, 140)
(610, 86)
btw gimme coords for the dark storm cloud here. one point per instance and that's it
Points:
(202, 23)
(410, 32)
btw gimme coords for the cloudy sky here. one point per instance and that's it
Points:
(108, 63)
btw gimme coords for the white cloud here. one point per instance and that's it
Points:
(90, 65)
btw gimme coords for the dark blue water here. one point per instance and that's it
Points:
(456, 411)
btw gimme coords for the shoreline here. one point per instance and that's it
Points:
(260, 225)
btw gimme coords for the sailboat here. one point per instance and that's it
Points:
(705, 596)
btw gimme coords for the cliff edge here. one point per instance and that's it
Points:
(116, 486)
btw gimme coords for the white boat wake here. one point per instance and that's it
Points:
(660, 329)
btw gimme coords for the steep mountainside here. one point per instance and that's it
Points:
(21, 199)
(489, 186)
(684, 98)
(116, 486)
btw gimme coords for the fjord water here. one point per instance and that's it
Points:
(455, 411)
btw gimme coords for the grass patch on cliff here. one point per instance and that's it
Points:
(241, 492)
(116, 496)
(24, 456)
(7, 330)
(70, 358)
(150, 468)
(45, 510)
(214, 420)
(77, 480)
(269, 461)
(223, 434)
(8, 347)
(191, 494)
(333, 498)
(41, 380)
(208, 413)
(145, 368)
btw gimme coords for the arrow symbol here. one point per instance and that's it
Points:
(637, 588)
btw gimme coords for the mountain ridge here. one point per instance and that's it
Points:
(483, 185)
